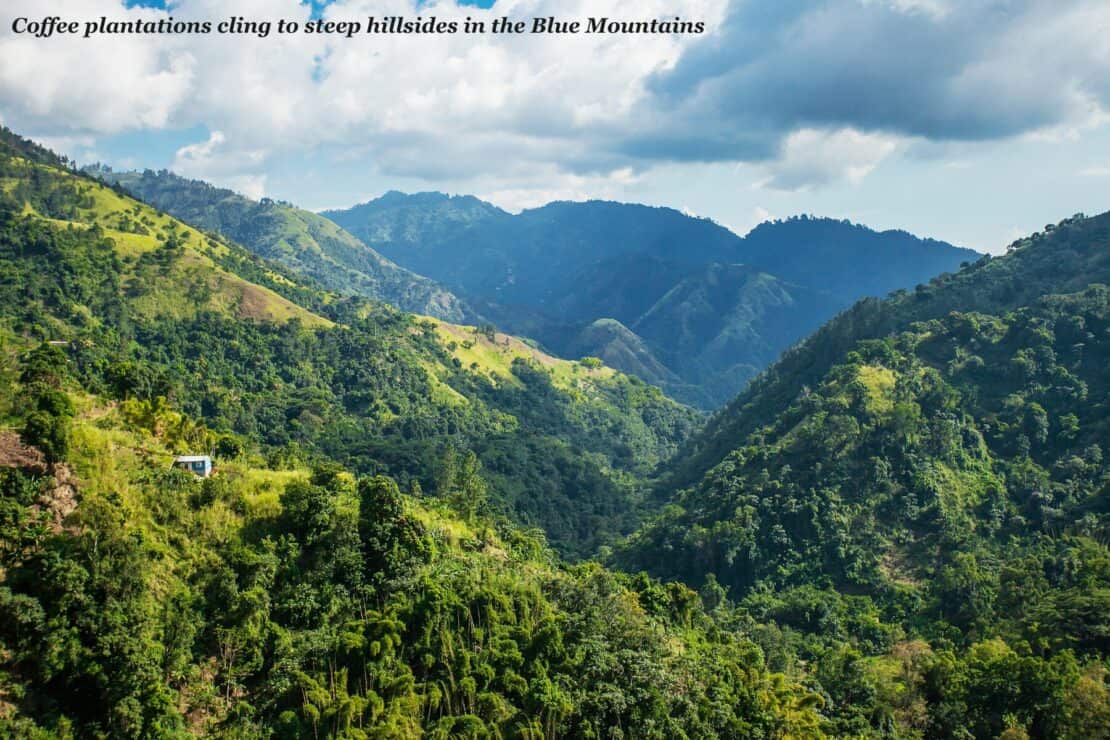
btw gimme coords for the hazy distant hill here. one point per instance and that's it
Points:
(670, 280)
(847, 259)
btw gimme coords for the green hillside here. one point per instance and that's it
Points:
(899, 531)
(300, 240)
(154, 309)
(1062, 259)
(928, 507)
(166, 269)
(288, 596)
(137, 601)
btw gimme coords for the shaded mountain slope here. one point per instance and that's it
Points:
(848, 260)
(551, 272)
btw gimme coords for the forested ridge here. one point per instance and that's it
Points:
(917, 494)
(899, 531)
(137, 601)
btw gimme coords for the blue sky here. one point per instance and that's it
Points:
(973, 121)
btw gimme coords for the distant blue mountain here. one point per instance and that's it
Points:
(694, 308)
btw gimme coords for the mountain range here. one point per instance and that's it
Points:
(680, 301)
(417, 527)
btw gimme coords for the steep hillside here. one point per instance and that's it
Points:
(720, 326)
(617, 346)
(551, 272)
(1062, 259)
(153, 309)
(929, 468)
(300, 240)
(137, 601)
(164, 268)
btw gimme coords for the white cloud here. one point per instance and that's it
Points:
(1095, 171)
(935, 8)
(252, 186)
(970, 71)
(98, 85)
(516, 192)
(68, 144)
(420, 106)
(202, 152)
(209, 160)
(814, 92)
(812, 158)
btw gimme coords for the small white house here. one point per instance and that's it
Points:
(198, 465)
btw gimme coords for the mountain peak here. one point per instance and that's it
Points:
(423, 199)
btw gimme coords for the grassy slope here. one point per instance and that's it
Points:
(300, 240)
(493, 356)
(138, 229)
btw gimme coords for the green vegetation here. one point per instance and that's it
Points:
(312, 603)
(931, 514)
(901, 530)
(300, 240)
(1064, 260)
(267, 357)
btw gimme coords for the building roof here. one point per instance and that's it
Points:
(192, 458)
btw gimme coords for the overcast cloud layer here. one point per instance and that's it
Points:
(801, 96)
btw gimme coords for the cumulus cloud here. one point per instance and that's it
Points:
(811, 158)
(814, 92)
(973, 70)
(237, 169)
(430, 107)
(66, 85)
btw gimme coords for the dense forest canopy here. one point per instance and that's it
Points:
(899, 530)
(926, 467)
